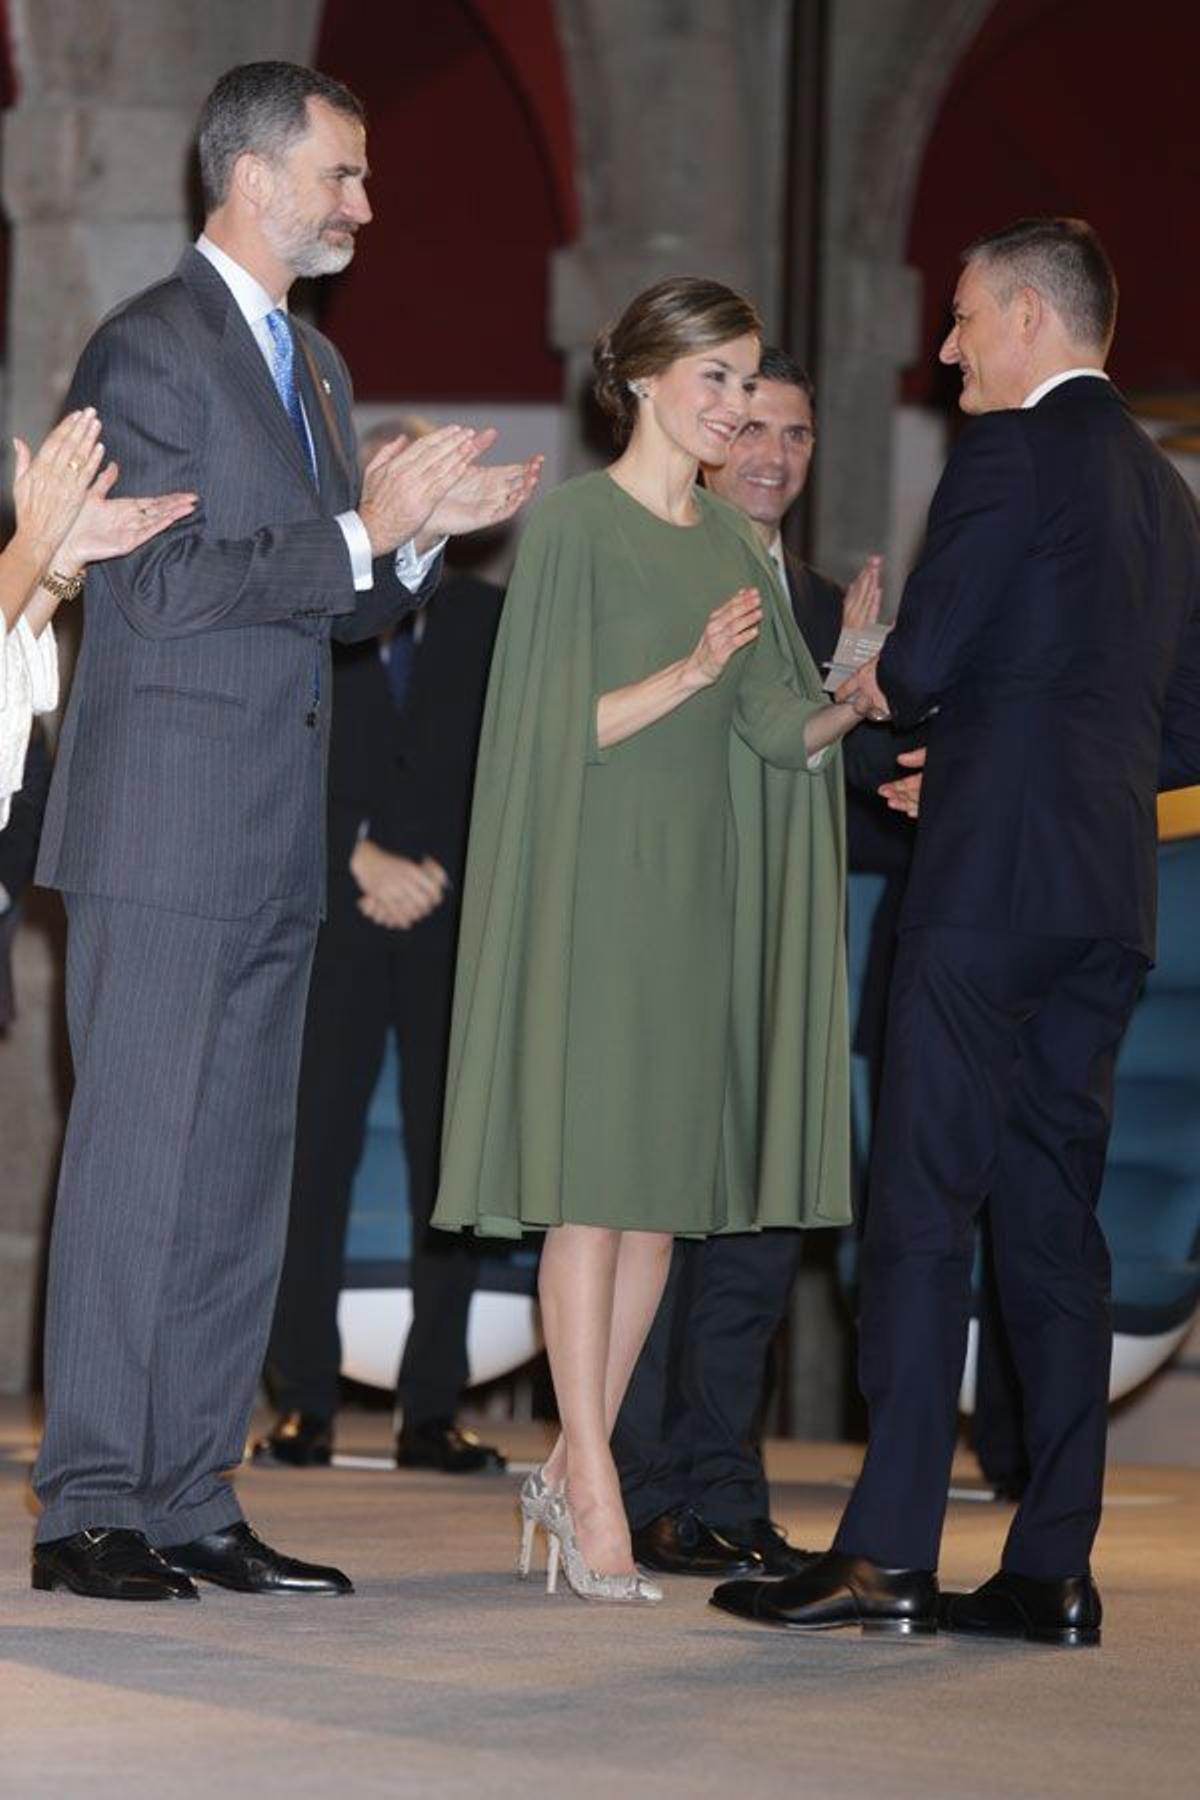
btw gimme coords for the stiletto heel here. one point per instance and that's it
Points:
(525, 1556)
(537, 1499)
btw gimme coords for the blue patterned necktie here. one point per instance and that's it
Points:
(283, 370)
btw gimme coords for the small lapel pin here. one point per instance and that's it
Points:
(326, 385)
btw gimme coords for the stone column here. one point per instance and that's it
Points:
(680, 121)
(889, 62)
(95, 166)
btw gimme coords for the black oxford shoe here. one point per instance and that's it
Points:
(679, 1543)
(297, 1440)
(766, 1540)
(839, 1590)
(1067, 1612)
(108, 1564)
(439, 1444)
(237, 1558)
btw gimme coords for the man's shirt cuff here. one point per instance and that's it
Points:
(359, 546)
(411, 568)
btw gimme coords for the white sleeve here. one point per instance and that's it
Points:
(41, 663)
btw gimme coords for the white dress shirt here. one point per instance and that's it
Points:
(28, 685)
(1053, 381)
(254, 303)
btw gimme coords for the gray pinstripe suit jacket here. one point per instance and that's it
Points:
(189, 776)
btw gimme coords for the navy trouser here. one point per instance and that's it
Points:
(688, 1431)
(997, 1084)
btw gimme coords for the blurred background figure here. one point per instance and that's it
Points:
(687, 1437)
(405, 730)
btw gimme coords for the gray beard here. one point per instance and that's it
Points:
(305, 255)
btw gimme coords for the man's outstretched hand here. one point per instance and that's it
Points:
(904, 793)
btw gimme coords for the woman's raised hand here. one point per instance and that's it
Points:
(105, 528)
(50, 488)
(731, 626)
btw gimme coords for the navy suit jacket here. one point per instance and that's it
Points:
(410, 776)
(191, 768)
(1054, 622)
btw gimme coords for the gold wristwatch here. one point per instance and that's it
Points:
(64, 587)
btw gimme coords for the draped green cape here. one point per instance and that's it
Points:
(785, 1140)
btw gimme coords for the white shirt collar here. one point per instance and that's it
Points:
(254, 302)
(1044, 387)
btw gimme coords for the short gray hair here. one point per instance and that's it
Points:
(1065, 262)
(260, 107)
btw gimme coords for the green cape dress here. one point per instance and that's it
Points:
(650, 1010)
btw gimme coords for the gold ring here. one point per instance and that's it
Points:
(73, 462)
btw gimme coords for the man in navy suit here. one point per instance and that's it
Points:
(1052, 629)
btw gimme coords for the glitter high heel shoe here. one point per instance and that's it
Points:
(582, 1580)
(537, 1498)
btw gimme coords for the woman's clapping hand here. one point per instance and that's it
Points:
(731, 626)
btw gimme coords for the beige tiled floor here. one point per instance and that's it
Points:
(443, 1676)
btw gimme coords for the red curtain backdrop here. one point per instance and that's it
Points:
(1086, 107)
(472, 184)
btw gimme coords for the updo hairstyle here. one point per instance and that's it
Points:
(677, 317)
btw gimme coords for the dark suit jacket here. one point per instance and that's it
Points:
(409, 776)
(188, 774)
(876, 839)
(1054, 621)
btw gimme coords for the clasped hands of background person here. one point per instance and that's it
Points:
(395, 891)
(423, 489)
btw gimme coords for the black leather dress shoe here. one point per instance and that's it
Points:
(769, 1543)
(1018, 1606)
(839, 1590)
(297, 1440)
(439, 1444)
(679, 1543)
(237, 1558)
(108, 1564)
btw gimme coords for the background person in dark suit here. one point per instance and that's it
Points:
(1053, 622)
(686, 1441)
(402, 764)
(186, 827)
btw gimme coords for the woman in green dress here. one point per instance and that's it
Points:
(649, 1024)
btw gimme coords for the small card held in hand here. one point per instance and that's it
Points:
(854, 648)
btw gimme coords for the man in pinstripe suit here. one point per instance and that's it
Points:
(185, 828)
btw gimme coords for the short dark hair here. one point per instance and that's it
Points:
(677, 317)
(776, 365)
(1065, 262)
(260, 107)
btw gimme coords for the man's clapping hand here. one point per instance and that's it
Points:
(396, 892)
(483, 496)
(904, 794)
(406, 479)
(864, 597)
(428, 488)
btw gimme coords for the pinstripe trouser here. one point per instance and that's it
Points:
(172, 1209)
